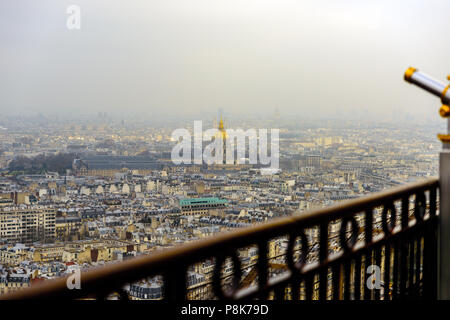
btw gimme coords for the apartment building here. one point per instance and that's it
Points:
(27, 224)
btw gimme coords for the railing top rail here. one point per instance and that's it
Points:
(113, 275)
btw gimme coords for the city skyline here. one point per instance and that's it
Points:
(150, 58)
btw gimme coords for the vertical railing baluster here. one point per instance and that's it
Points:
(411, 289)
(405, 212)
(175, 284)
(428, 262)
(358, 277)
(395, 276)
(302, 291)
(433, 245)
(323, 256)
(418, 284)
(403, 247)
(368, 233)
(262, 266)
(378, 264)
(279, 293)
(368, 227)
(387, 271)
(309, 287)
(336, 278)
(295, 289)
(347, 279)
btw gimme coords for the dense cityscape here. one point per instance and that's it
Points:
(82, 194)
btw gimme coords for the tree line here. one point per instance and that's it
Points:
(42, 163)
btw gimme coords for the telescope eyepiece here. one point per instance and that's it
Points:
(408, 74)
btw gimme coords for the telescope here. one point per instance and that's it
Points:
(437, 88)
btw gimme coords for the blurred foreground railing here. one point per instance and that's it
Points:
(327, 255)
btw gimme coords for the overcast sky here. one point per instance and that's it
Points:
(176, 57)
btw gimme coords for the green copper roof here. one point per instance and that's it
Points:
(194, 201)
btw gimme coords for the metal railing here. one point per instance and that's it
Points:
(394, 230)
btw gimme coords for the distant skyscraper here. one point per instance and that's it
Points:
(276, 114)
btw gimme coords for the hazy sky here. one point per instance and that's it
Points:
(178, 57)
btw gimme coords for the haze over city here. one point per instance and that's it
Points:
(173, 58)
